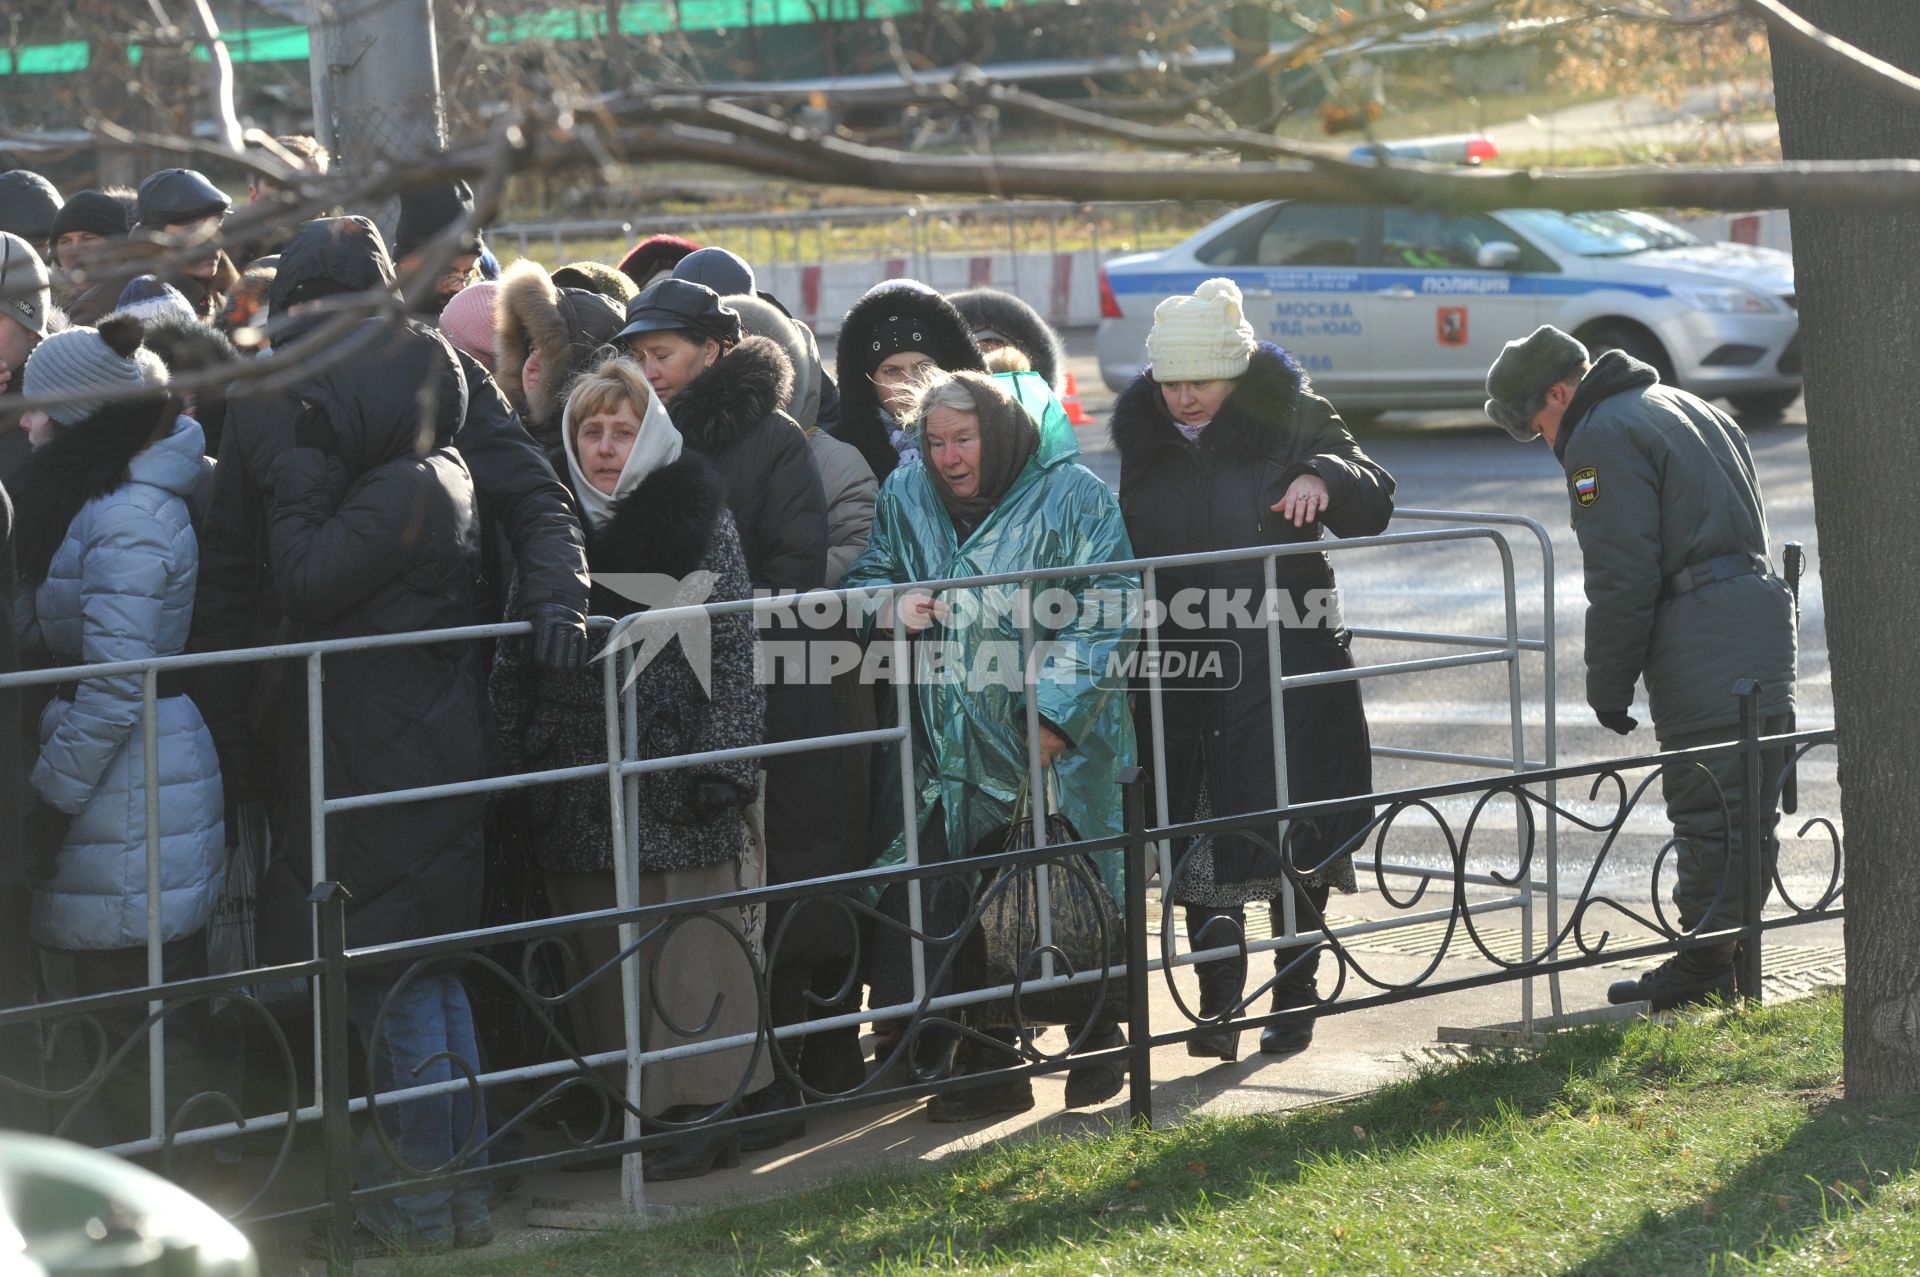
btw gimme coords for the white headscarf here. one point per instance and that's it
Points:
(658, 444)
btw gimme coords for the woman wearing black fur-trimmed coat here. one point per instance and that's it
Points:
(650, 505)
(1223, 445)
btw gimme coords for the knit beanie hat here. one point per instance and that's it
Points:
(425, 211)
(596, 277)
(468, 321)
(28, 204)
(95, 212)
(24, 284)
(148, 297)
(654, 255)
(109, 357)
(1205, 337)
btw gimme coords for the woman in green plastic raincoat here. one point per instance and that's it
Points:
(999, 489)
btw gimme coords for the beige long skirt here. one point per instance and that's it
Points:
(679, 978)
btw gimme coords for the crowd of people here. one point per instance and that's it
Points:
(523, 443)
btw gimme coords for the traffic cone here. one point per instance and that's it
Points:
(1071, 402)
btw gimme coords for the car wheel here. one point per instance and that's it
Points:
(1631, 341)
(1763, 405)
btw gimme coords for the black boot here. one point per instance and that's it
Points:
(1092, 1084)
(1687, 978)
(999, 1100)
(1222, 980)
(780, 1094)
(1295, 988)
(831, 1061)
(695, 1153)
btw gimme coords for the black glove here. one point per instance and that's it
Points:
(712, 799)
(46, 830)
(1617, 720)
(559, 636)
(314, 430)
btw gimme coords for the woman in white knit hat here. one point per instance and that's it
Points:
(1223, 445)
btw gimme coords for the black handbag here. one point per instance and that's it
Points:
(1089, 930)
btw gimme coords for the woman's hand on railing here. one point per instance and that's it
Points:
(917, 611)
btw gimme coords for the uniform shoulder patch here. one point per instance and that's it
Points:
(1586, 486)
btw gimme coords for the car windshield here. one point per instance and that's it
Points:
(1603, 233)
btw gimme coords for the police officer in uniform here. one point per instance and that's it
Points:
(1680, 591)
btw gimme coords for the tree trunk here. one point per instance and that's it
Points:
(1858, 276)
(1249, 35)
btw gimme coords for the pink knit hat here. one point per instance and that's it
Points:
(468, 321)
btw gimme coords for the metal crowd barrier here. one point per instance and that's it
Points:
(1528, 782)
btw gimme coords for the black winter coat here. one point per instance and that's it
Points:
(732, 415)
(377, 534)
(1183, 498)
(675, 523)
(528, 527)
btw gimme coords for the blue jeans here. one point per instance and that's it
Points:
(429, 1016)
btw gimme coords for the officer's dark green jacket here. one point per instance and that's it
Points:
(1661, 482)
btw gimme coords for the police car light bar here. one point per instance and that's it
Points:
(1462, 148)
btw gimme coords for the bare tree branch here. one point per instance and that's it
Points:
(1597, 9)
(1241, 140)
(219, 75)
(1881, 76)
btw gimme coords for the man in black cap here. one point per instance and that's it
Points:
(177, 207)
(1680, 591)
(424, 213)
(28, 203)
(86, 222)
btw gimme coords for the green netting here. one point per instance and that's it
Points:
(645, 17)
(264, 44)
(47, 59)
(657, 17)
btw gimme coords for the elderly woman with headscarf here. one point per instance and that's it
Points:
(651, 505)
(999, 489)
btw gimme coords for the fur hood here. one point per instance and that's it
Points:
(81, 462)
(1261, 409)
(665, 525)
(949, 340)
(565, 325)
(189, 346)
(749, 383)
(1008, 315)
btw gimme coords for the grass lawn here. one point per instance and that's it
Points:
(1713, 1146)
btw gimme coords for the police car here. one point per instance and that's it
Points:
(1407, 308)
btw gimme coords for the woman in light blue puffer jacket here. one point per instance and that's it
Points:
(108, 564)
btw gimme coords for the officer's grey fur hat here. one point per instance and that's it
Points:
(1523, 374)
